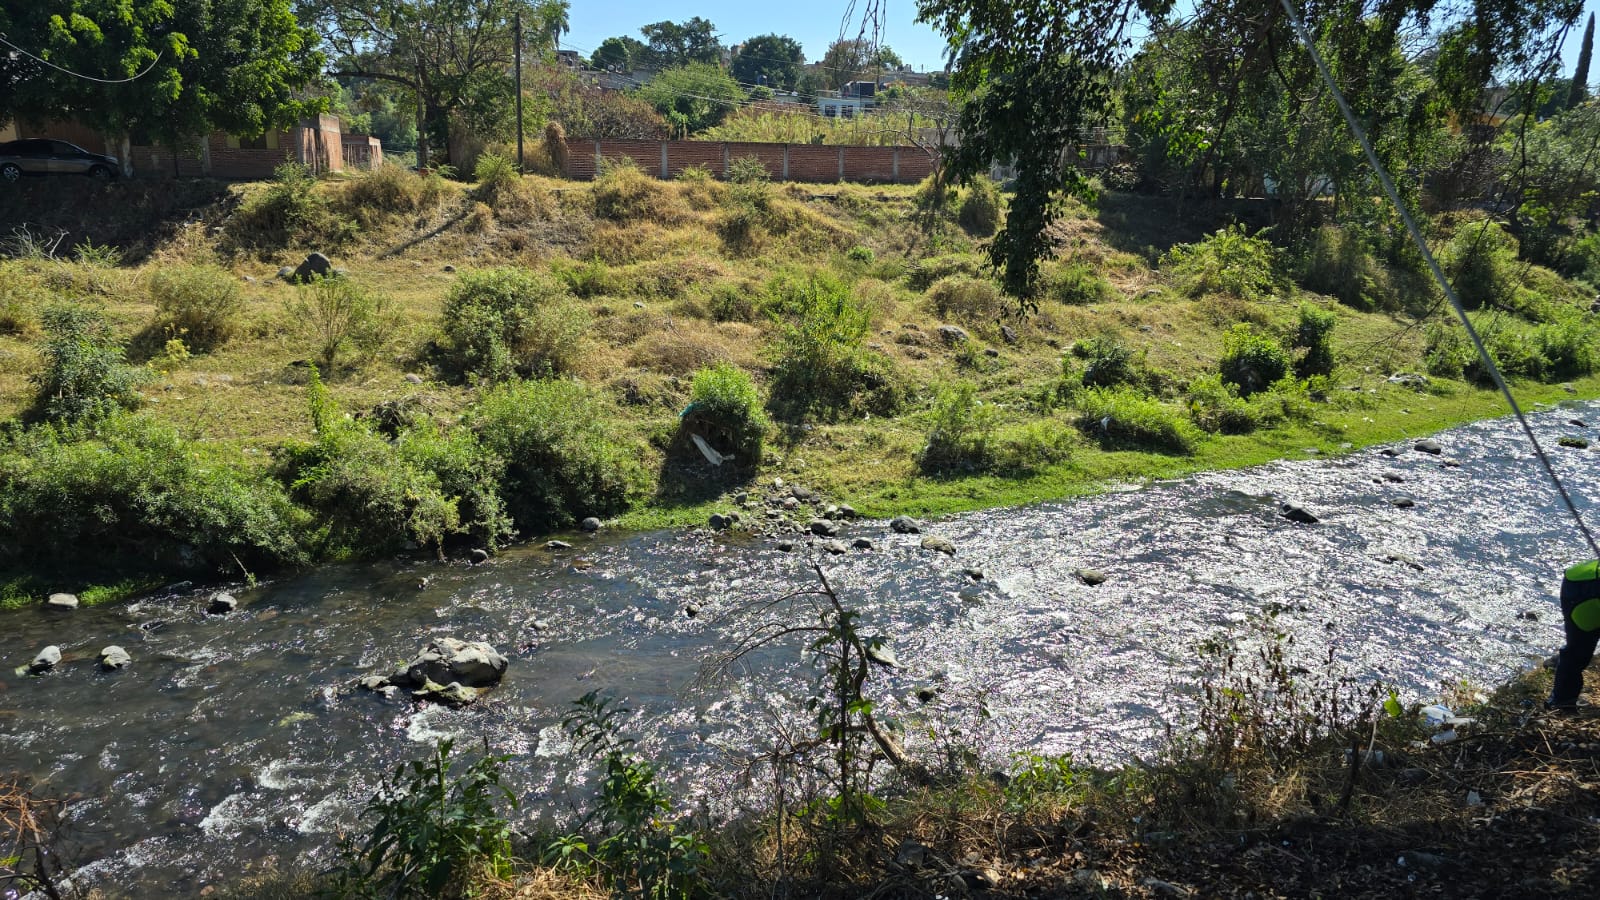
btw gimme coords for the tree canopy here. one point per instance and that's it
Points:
(453, 56)
(851, 59)
(773, 60)
(619, 54)
(693, 97)
(671, 44)
(195, 65)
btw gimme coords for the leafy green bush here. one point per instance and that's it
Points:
(1228, 261)
(724, 397)
(747, 170)
(1565, 349)
(562, 460)
(339, 316)
(1334, 261)
(509, 321)
(434, 831)
(199, 304)
(1216, 406)
(1568, 349)
(959, 439)
(634, 845)
(1077, 284)
(1313, 336)
(289, 212)
(1481, 262)
(1122, 419)
(496, 177)
(979, 214)
(84, 375)
(860, 254)
(589, 278)
(1107, 363)
(1251, 361)
(126, 492)
(371, 498)
(965, 299)
(1025, 449)
(1446, 350)
(922, 274)
(820, 366)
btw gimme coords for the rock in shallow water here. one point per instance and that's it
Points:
(114, 657)
(934, 542)
(1433, 447)
(62, 601)
(1294, 512)
(1091, 577)
(448, 670)
(222, 604)
(905, 525)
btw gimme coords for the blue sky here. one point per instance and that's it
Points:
(815, 25)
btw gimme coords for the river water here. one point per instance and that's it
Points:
(236, 741)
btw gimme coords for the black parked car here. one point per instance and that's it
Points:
(44, 156)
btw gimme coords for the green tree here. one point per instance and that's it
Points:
(674, 44)
(452, 57)
(773, 60)
(1579, 91)
(693, 97)
(619, 54)
(182, 68)
(852, 59)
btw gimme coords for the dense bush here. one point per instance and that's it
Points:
(1251, 360)
(1107, 362)
(1228, 261)
(84, 376)
(748, 170)
(1215, 406)
(22, 296)
(289, 212)
(1122, 419)
(1481, 262)
(1334, 261)
(200, 305)
(820, 366)
(965, 299)
(1313, 337)
(508, 321)
(979, 214)
(1077, 284)
(124, 492)
(369, 496)
(960, 437)
(339, 316)
(562, 460)
(390, 190)
(922, 274)
(1024, 449)
(724, 397)
(1565, 349)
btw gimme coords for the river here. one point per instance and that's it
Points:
(236, 741)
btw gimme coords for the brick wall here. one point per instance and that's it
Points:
(784, 162)
(362, 151)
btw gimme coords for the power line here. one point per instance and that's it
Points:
(1433, 265)
(46, 62)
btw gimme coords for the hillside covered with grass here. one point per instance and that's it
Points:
(498, 360)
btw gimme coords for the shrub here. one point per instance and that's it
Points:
(200, 304)
(696, 175)
(733, 302)
(1567, 348)
(820, 366)
(1121, 419)
(390, 190)
(1025, 449)
(1313, 336)
(1481, 262)
(861, 254)
(434, 832)
(124, 491)
(971, 300)
(339, 316)
(1335, 262)
(591, 278)
(1077, 284)
(562, 461)
(1216, 406)
(1107, 363)
(289, 212)
(724, 397)
(961, 434)
(748, 170)
(370, 498)
(979, 215)
(496, 176)
(625, 193)
(84, 376)
(1446, 350)
(508, 321)
(1251, 361)
(1228, 261)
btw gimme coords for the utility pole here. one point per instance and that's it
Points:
(520, 167)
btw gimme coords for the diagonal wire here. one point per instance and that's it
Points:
(1433, 265)
(46, 62)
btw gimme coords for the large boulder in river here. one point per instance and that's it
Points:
(1294, 512)
(905, 525)
(114, 657)
(62, 601)
(46, 660)
(447, 659)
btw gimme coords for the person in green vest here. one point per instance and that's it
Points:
(1580, 614)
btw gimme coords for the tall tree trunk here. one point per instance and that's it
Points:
(1579, 91)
